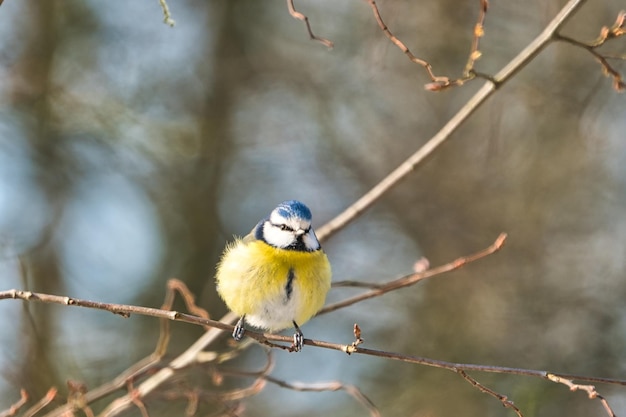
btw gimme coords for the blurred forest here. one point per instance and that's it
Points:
(131, 152)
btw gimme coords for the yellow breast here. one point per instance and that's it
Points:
(273, 287)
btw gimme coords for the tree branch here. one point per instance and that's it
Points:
(490, 86)
(167, 16)
(297, 15)
(19, 404)
(589, 389)
(502, 398)
(380, 289)
(606, 34)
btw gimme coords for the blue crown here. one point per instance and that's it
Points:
(293, 208)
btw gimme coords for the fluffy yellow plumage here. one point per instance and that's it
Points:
(278, 276)
(252, 278)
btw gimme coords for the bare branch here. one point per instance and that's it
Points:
(47, 399)
(606, 33)
(122, 310)
(479, 31)
(186, 358)
(352, 390)
(193, 354)
(19, 404)
(167, 16)
(438, 82)
(190, 355)
(502, 398)
(136, 399)
(267, 339)
(379, 289)
(297, 15)
(589, 389)
(407, 167)
(176, 286)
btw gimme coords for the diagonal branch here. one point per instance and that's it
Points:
(380, 289)
(502, 398)
(188, 357)
(607, 33)
(481, 96)
(47, 399)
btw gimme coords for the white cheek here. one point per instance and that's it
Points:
(276, 237)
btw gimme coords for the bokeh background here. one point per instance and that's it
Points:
(130, 152)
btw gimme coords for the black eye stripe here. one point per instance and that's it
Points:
(282, 227)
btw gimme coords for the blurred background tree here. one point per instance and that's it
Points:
(130, 152)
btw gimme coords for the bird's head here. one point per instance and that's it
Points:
(289, 227)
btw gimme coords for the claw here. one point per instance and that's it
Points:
(298, 339)
(239, 329)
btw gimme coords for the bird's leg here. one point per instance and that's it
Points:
(239, 329)
(298, 338)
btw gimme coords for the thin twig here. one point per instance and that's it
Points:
(186, 358)
(407, 167)
(502, 398)
(607, 33)
(136, 399)
(176, 286)
(167, 16)
(136, 370)
(19, 404)
(352, 390)
(240, 393)
(379, 289)
(589, 389)
(479, 31)
(297, 15)
(47, 399)
(122, 310)
(440, 81)
(252, 389)
(264, 373)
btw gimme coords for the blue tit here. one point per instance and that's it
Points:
(278, 275)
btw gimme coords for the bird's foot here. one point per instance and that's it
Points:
(298, 339)
(239, 330)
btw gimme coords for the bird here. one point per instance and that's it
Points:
(277, 276)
